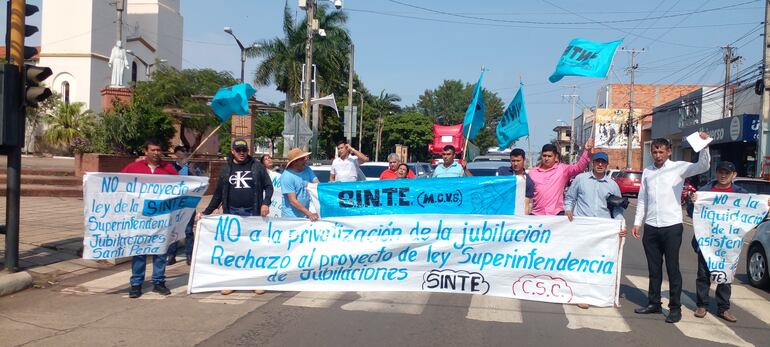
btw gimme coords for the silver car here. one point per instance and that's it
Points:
(756, 257)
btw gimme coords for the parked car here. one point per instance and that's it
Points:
(486, 168)
(373, 169)
(322, 172)
(504, 158)
(421, 170)
(628, 181)
(756, 257)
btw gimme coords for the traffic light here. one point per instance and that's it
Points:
(11, 117)
(33, 78)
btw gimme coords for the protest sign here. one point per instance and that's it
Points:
(720, 221)
(496, 195)
(134, 214)
(543, 258)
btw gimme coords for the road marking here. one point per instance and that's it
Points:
(495, 309)
(315, 299)
(709, 328)
(598, 318)
(389, 302)
(751, 302)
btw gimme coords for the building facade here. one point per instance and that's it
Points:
(77, 48)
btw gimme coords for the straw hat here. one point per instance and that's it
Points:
(296, 153)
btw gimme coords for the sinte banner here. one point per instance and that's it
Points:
(134, 214)
(543, 258)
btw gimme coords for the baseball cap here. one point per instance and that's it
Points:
(239, 142)
(726, 165)
(600, 155)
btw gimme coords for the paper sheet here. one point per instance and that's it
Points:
(698, 143)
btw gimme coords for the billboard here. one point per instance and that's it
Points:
(609, 126)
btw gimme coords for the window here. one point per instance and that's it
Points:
(65, 92)
(134, 71)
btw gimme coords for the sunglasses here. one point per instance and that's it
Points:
(241, 150)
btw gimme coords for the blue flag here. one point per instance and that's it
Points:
(233, 99)
(474, 115)
(513, 125)
(585, 58)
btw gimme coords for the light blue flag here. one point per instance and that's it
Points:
(585, 58)
(233, 99)
(474, 115)
(513, 125)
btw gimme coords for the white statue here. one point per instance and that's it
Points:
(119, 63)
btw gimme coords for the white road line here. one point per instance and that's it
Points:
(314, 299)
(389, 302)
(598, 318)
(709, 328)
(495, 309)
(750, 302)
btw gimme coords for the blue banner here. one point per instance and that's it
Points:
(474, 115)
(496, 195)
(585, 58)
(513, 124)
(232, 100)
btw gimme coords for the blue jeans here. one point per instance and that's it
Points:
(188, 242)
(139, 264)
(242, 211)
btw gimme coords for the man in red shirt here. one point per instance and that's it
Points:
(151, 164)
(390, 173)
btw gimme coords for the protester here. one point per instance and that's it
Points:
(551, 177)
(243, 188)
(518, 160)
(403, 171)
(267, 161)
(151, 164)
(449, 167)
(184, 168)
(657, 206)
(394, 161)
(294, 181)
(345, 167)
(587, 195)
(724, 183)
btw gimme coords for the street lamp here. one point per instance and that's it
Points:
(229, 30)
(149, 66)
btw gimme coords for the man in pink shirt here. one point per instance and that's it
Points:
(551, 177)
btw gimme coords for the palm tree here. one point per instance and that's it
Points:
(282, 57)
(385, 104)
(67, 122)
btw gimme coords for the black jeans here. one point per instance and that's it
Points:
(703, 283)
(659, 243)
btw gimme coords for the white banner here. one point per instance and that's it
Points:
(134, 214)
(277, 200)
(543, 258)
(720, 221)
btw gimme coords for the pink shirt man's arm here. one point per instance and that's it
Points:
(581, 165)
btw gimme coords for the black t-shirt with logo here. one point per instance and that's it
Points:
(241, 185)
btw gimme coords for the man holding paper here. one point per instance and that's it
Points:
(660, 190)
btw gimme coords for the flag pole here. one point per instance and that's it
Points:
(465, 148)
(529, 149)
(201, 144)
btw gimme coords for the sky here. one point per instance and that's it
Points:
(408, 46)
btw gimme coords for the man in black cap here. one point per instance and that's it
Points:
(244, 187)
(723, 183)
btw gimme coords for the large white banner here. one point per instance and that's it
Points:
(720, 221)
(543, 258)
(134, 214)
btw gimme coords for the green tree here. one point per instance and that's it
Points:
(66, 122)
(183, 89)
(36, 116)
(269, 126)
(125, 128)
(411, 129)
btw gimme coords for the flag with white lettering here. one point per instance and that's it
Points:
(585, 58)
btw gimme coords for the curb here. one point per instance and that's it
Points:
(13, 282)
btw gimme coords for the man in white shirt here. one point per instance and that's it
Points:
(658, 206)
(345, 167)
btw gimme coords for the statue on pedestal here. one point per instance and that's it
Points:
(119, 63)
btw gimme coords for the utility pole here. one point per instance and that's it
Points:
(728, 62)
(350, 92)
(763, 143)
(361, 120)
(630, 122)
(308, 73)
(573, 99)
(119, 7)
